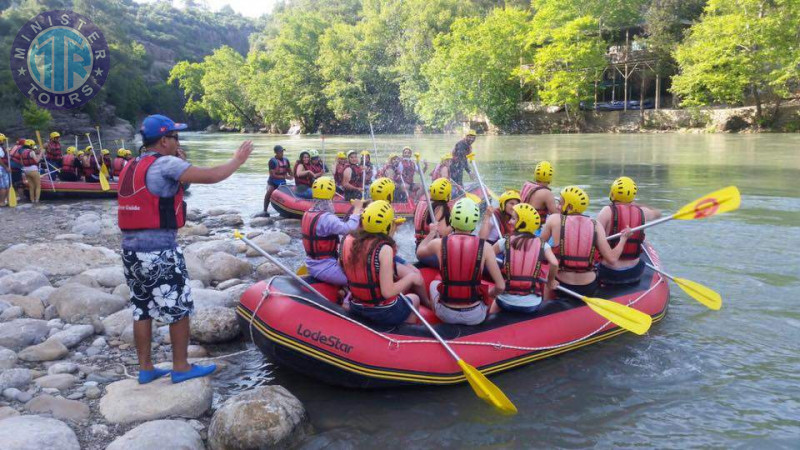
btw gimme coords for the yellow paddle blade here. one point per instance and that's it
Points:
(302, 270)
(723, 200)
(104, 182)
(701, 293)
(486, 390)
(12, 197)
(104, 169)
(626, 317)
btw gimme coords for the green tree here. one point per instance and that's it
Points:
(35, 117)
(741, 47)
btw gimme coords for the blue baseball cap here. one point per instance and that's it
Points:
(157, 126)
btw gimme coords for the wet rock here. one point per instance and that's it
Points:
(43, 293)
(108, 277)
(73, 335)
(205, 249)
(16, 378)
(77, 303)
(173, 434)
(267, 270)
(7, 358)
(272, 242)
(36, 433)
(128, 401)
(23, 283)
(11, 313)
(59, 408)
(31, 306)
(214, 325)
(48, 350)
(21, 333)
(57, 259)
(7, 411)
(223, 266)
(206, 298)
(196, 229)
(268, 416)
(62, 367)
(60, 381)
(116, 323)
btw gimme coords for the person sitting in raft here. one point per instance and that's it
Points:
(441, 191)
(352, 177)
(409, 171)
(621, 214)
(368, 169)
(458, 297)
(106, 161)
(442, 170)
(317, 165)
(118, 163)
(508, 200)
(53, 147)
(304, 175)
(321, 230)
(577, 240)
(70, 166)
(393, 169)
(338, 171)
(374, 279)
(382, 189)
(538, 193)
(524, 255)
(279, 171)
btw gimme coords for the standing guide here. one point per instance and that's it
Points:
(460, 163)
(279, 171)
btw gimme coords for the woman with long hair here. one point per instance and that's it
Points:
(303, 175)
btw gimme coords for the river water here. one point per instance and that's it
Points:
(700, 378)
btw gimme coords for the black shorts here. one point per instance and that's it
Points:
(587, 290)
(629, 275)
(157, 281)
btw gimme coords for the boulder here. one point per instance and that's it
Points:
(265, 417)
(16, 378)
(7, 411)
(21, 333)
(60, 381)
(116, 323)
(48, 350)
(196, 229)
(172, 434)
(35, 433)
(59, 408)
(214, 325)
(224, 266)
(128, 401)
(241, 247)
(73, 335)
(267, 270)
(225, 220)
(206, 298)
(43, 293)
(108, 277)
(7, 358)
(77, 303)
(197, 271)
(57, 259)
(31, 306)
(23, 283)
(83, 279)
(236, 292)
(11, 313)
(205, 249)
(260, 222)
(272, 242)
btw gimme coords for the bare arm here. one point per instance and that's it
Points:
(550, 202)
(553, 272)
(604, 218)
(650, 213)
(346, 176)
(547, 229)
(429, 246)
(486, 223)
(490, 263)
(302, 171)
(610, 255)
(389, 287)
(211, 175)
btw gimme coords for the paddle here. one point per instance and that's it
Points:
(103, 168)
(622, 315)
(471, 158)
(721, 201)
(697, 291)
(425, 189)
(46, 163)
(103, 180)
(12, 194)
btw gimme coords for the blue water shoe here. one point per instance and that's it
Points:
(146, 376)
(195, 372)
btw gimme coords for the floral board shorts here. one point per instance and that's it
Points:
(5, 179)
(157, 281)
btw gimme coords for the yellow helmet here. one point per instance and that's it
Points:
(441, 190)
(79, 153)
(105, 152)
(465, 215)
(576, 198)
(510, 194)
(471, 133)
(121, 152)
(543, 173)
(364, 152)
(446, 156)
(528, 219)
(382, 189)
(71, 150)
(341, 155)
(2, 137)
(393, 156)
(88, 149)
(323, 188)
(378, 217)
(29, 143)
(54, 134)
(623, 190)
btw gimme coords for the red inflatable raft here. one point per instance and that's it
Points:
(315, 336)
(290, 205)
(58, 188)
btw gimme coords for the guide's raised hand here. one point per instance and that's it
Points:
(243, 152)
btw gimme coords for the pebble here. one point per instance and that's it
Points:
(75, 396)
(99, 429)
(93, 392)
(62, 367)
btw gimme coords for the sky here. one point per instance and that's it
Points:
(249, 8)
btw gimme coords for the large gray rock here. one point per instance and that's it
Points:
(193, 229)
(73, 335)
(108, 277)
(214, 325)
(267, 270)
(57, 259)
(265, 417)
(205, 249)
(7, 358)
(116, 323)
(43, 293)
(48, 350)
(271, 242)
(37, 433)
(166, 434)
(128, 401)
(16, 378)
(78, 304)
(11, 313)
(206, 298)
(21, 333)
(60, 381)
(224, 266)
(31, 306)
(22, 283)
(237, 291)
(225, 220)
(58, 407)
(197, 271)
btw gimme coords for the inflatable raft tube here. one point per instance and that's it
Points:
(76, 189)
(317, 337)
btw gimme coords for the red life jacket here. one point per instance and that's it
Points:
(363, 277)
(16, 156)
(140, 209)
(422, 220)
(306, 180)
(68, 164)
(338, 172)
(521, 267)
(118, 165)
(368, 173)
(528, 190)
(91, 168)
(625, 215)
(356, 175)
(281, 166)
(316, 167)
(408, 170)
(461, 269)
(26, 158)
(505, 225)
(317, 247)
(54, 151)
(577, 249)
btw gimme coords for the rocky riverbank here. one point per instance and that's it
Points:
(66, 336)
